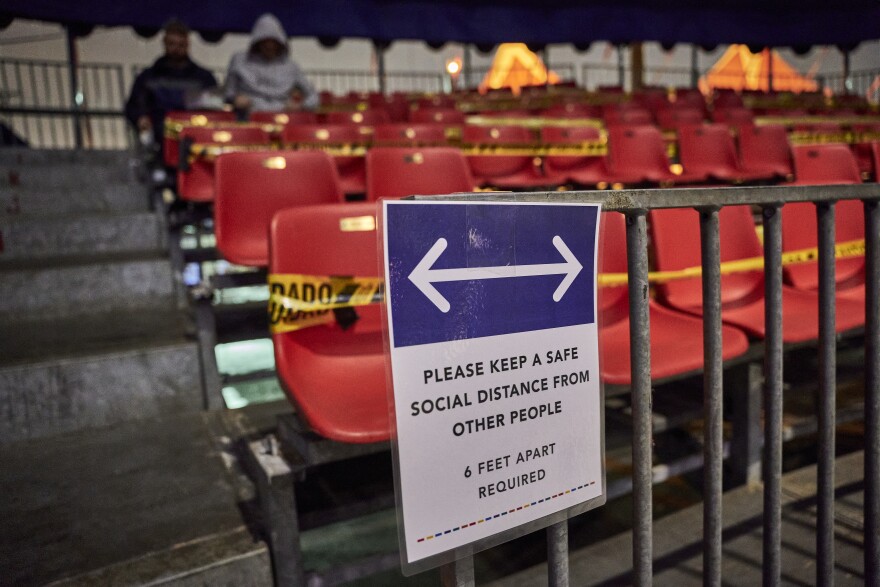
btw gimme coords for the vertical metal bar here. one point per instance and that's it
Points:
(826, 397)
(695, 71)
(872, 393)
(466, 65)
(744, 384)
(557, 555)
(640, 350)
(769, 56)
(35, 92)
(713, 445)
(847, 73)
(72, 65)
(772, 562)
(621, 74)
(459, 573)
(380, 66)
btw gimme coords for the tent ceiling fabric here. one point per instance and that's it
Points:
(704, 22)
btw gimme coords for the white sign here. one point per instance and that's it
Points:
(494, 359)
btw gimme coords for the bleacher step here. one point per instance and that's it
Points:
(56, 237)
(63, 394)
(13, 157)
(62, 176)
(153, 502)
(71, 289)
(105, 197)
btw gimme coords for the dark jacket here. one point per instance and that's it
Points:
(161, 88)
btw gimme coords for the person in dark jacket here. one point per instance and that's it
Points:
(168, 84)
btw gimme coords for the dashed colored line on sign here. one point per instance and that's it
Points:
(489, 518)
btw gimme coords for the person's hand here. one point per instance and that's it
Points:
(144, 123)
(241, 102)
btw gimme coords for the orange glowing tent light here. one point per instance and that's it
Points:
(515, 67)
(740, 69)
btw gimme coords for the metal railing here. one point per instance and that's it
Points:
(36, 102)
(860, 83)
(635, 204)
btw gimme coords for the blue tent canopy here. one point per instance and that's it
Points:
(754, 22)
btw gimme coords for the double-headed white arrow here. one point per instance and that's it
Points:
(424, 278)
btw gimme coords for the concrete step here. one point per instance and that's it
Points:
(48, 237)
(16, 156)
(152, 502)
(63, 375)
(58, 201)
(123, 286)
(64, 175)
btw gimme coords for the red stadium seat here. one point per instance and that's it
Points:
(284, 118)
(638, 155)
(396, 105)
(409, 134)
(352, 170)
(875, 152)
(709, 150)
(503, 171)
(676, 238)
(335, 376)
(584, 170)
(572, 110)
(676, 337)
(727, 99)
(825, 164)
(437, 115)
(864, 151)
(369, 117)
(397, 172)
(732, 116)
(252, 186)
(765, 149)
(627, 116)
(673, 118)
(195, 181)
(170, 151)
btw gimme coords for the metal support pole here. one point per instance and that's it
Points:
(466, 66)
(637, 66)
(772, 562)
(206, 332)
(713, 434)
(75, 94)
(695, 67)
(825, 405)
(847, 73)
(380, 67)
(557, 555)
(278, 501)
(769, 53)
(872, 393)
(459, 573)
(744, 384)
(640, 350)
(621, 72)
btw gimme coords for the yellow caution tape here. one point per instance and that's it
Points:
(843, 250)
(795, 120)
(300, 301)
(535, 122)
(820, 138)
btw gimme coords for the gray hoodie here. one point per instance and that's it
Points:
(268, 83)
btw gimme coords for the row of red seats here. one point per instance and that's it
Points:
(336, 378)
(636, 155)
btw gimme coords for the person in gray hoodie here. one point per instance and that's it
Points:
(264, 78)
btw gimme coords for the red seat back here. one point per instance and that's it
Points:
(370, 117)
(637, 150)
(396, 172)
(251, 187)
(437, 115)
(415, 134)
(284, 118)
(486, 167)
(557, 135)
(675, 236)
(822, 164)
(672, 118)
(766, 147)
(334, 375)
(613, 301)
(196, 184)
(707, 148)
(351, 168)
(170, 150)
